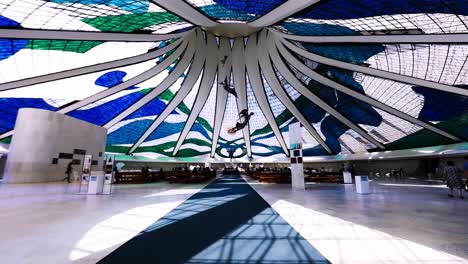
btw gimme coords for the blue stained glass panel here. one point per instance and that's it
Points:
(154, 107)
(103, 113)
(9, 47)
(9, 110)
(129, 133)
(436, 102)
(256, 7)
(241, 10)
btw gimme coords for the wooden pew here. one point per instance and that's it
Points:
(137, 176)
(274, 176)
(129, 177)
(188, 176)
(325, 177)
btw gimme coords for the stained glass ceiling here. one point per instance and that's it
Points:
(359, 75)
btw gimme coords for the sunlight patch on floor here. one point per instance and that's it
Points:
(173, 192)
(119, 228)
(345, 242)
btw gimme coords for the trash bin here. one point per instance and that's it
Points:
(362, 184)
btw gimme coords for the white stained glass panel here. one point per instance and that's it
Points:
(118, 16)
(28, 63)
(75, 88)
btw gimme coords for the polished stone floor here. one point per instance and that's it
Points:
(226, 222)
(50, 223)
(396, 223)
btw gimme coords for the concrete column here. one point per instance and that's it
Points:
(45, 142)
(297, 165)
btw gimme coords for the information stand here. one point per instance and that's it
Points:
(347, 178)
(362, 184)
(84, 181)
(108, 176)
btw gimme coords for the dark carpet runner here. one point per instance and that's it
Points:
(225, 222)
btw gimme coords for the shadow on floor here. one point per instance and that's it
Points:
(226, 222)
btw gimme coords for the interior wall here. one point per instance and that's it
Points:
(417, 168)
(43, 138)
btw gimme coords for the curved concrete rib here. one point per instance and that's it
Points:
(238, 73)
(90, 69)
(330, 83)
(129, 83)
(281, 12)
(186, 11)
(166, 83)
(206, 85)
(83, 35)
(292, 80)
(108, 92)
(224, 72)
(272, 79)
(399, 39)
(374, 72)
(187, 85)
(7, 134)
(256, 82)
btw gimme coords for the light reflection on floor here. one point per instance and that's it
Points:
(179, 192)
(190, 208)
(345, 242)
(114, 231)
(51, 223)
(226, 222)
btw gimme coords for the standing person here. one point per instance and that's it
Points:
(454, 178)
(465, 167)
(465, 172)
(402, 174)
(68, 172)
(116, 175)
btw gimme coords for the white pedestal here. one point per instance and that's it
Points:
(297, 166)
(347, 178)
(96, 182)
(297, 176)
(362, 184)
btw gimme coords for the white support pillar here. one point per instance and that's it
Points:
(297, 165)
